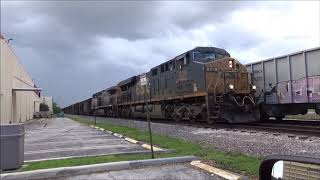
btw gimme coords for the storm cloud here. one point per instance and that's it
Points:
(75, 48)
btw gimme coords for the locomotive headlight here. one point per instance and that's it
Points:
(230, 64)
(231, 87)
(254, 87)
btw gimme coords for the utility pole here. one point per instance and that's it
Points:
(143, 81)
(95, 117)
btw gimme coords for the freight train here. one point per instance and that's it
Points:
(206, 84)
(202, 84)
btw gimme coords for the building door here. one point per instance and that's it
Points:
(14, 108)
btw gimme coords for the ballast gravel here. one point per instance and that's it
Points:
(250, 142)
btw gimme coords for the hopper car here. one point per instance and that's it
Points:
(288, 84)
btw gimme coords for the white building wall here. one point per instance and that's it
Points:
(15, 106)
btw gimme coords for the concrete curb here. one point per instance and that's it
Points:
(167, 151)
(220, 172)
(87, 169)
(147, 146)
(131, 140)
(118, 135)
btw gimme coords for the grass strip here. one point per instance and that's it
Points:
(248, 165)
(244, 164)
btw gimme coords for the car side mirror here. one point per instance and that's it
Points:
(278, 167)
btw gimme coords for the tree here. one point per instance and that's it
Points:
(56, 108)
(44, 107)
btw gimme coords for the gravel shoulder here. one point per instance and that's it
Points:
(256, 143)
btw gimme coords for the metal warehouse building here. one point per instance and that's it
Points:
(19, 96)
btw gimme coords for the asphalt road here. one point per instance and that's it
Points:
(64, 138)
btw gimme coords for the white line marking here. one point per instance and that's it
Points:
(91, 155)
(77, 149)
(75, 143)
(64, 138)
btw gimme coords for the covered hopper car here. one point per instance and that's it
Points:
(288, 84)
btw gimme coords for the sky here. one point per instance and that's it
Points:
(73, 49)
(277, 169)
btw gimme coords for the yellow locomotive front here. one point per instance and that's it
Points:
(230, 93)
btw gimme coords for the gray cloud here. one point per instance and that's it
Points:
(75, 48)
(238, 38)
(127, 19)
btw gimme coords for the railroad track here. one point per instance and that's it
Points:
(293, 127)
(305, 129)
(302, 128)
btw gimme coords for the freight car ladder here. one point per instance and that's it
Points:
(214, 104)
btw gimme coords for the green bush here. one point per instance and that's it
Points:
(44, 107)
(56, 108)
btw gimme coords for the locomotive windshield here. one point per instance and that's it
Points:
(202, 56)
(206, 56)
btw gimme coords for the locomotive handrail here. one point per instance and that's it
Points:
(215, 86)
(209, 85)
(242, 104)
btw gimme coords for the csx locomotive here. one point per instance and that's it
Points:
(203, 84)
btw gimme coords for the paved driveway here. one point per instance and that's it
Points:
(58, 138)
(171, 171)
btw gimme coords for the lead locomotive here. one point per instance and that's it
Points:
(203, 84)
